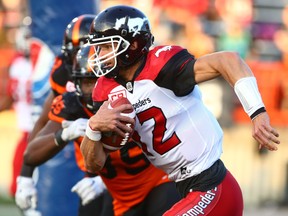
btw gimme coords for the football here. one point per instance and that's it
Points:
(112, 141)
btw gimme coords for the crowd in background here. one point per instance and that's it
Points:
(202, 26)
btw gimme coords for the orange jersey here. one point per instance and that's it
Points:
(68, 107)
(127, 174)
(129, 177)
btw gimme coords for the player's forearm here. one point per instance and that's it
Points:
(41, 149)
(93, 154)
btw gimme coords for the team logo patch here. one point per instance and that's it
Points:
(117, 94)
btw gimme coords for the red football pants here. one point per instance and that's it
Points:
(225, 200)
(18, 161)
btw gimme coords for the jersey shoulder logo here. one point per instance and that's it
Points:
(163, 49)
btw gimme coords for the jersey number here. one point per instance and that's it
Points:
(110, 171)
(159, 145)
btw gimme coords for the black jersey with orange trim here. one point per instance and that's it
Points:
(60, 75)
(68, 107)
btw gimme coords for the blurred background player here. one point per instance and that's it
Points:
(65, 115)
(76, 33)
(138, 188)
(18, 96)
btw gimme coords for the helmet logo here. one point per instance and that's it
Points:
(134, 24)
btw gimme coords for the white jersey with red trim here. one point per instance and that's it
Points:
(20, 73)
(176, 131)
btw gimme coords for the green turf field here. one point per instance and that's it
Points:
(8, 208)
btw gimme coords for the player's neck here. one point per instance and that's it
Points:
(128, 73)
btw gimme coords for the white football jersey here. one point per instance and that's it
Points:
(176, 131)
(20, 73)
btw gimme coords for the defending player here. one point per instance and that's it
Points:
(75, 36)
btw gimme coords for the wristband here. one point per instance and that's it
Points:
(257, 112)
(247, 92)
(58, 139)
(91, 134)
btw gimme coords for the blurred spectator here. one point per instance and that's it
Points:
(235, 11)
(180, 23)
(235, 38)
(272, 79)
(281, 41)
(197, 41)
(236, 16)
(181, 11)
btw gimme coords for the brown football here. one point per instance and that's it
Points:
(112, 141)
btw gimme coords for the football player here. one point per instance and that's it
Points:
(18, 96)
(176, 131)
(137, 187)
(75, 36)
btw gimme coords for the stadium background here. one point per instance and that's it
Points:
(256, 29)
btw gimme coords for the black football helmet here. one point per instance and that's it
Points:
(119, 26)
(80, 71)
(76, 35)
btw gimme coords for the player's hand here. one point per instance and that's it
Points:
(89, 188)
(26, 193)
(266, 135)
(107, 120)
(31, 212)
(73, 129)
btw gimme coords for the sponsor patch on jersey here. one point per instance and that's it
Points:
(141, 103)
(204, 203)
(196, 203)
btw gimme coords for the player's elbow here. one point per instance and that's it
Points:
(94, 164)
(27, 159)
(229, 57)
(93, 168)
(31, 159)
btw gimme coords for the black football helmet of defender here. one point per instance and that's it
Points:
(81, 71)
(76, 35)
(119, 26)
